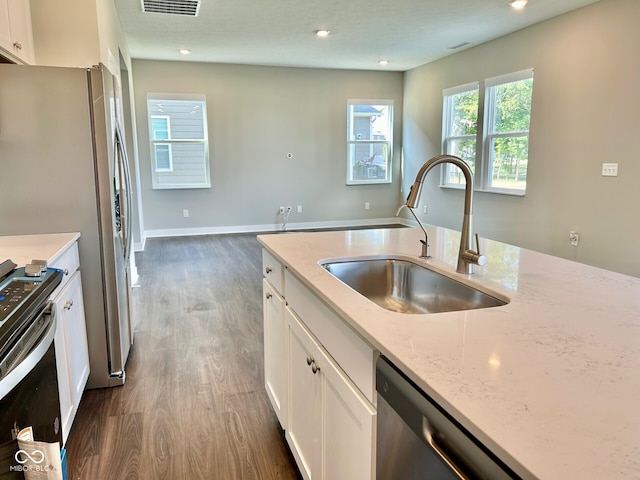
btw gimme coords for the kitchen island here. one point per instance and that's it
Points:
(550, 382)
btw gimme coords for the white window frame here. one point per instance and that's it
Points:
(205, 178)
(485, 132)
(489, 129)
(447, 135)
(353, 141)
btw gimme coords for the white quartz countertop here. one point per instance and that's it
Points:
(21, 249)
(550, 382)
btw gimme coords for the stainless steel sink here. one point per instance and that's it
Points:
(406, 287)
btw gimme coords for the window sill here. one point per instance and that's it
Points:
(513, 193)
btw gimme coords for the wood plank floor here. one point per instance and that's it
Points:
(193, 405)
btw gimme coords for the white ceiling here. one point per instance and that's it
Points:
(407, 33)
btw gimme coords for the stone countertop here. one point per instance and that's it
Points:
(549, 382)
(21, 249)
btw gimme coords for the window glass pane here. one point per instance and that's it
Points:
(460, 126)
(369, 145)
(178, 137)
(370, 161)
(510, 159)
(464, 114)
(466, 150)
(507, 139)
(512, 106)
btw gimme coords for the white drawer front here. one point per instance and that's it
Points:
(273, 271)
(68, 262)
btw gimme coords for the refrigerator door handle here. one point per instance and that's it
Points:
(124, 168)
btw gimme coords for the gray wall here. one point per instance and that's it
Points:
(585, 111)
(256, 115)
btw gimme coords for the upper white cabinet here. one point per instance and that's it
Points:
(16, 36)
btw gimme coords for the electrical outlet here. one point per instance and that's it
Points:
(366, 205)
(281, 210)
(299, 209)
(574, 238)
(185, 213)
(609, 169)
(289, 209)
(425, 209)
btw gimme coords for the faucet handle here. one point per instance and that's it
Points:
(475, 258)
(481, 259)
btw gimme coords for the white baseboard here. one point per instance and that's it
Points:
(181, 232)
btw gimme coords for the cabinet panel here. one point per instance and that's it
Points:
(304, 427)
(275, 353)
(5, 34)
(16, 36)
(76, 338)
(348, 429)
(72, 355)
(272, 270)
(62, 368)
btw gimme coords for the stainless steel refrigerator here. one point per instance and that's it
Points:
(63, 168)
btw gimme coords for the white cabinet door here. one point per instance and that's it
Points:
(75, 338)
(72, 354)
(16, 36)
(21, 30)
(304, 401)
(64, 389)
(5, 33)
(275, 353)
(348, 425)
(331, 424)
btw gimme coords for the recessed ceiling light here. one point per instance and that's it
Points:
(185, 51)
(383, 62)
(518, 3)
(323, 33)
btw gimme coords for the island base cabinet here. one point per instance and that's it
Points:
(330, 423)
(274, 351)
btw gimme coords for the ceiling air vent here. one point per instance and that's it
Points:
(172, 7)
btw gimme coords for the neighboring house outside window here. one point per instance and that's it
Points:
(179, 141)
(369, 141)
(502, 165)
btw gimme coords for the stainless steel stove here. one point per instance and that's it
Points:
(28, 375)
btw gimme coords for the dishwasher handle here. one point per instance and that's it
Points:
(437, 442)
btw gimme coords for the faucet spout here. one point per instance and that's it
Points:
(467, 256)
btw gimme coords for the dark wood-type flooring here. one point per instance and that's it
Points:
(193, 405)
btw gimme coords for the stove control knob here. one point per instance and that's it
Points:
(32, 270)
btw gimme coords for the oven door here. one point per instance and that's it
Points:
(29, 390)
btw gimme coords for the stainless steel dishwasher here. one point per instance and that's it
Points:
(418, 440)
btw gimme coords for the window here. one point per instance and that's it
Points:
(507, 118)
(460, 129)
(178, 138)
(369, 141)
(502, 166)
